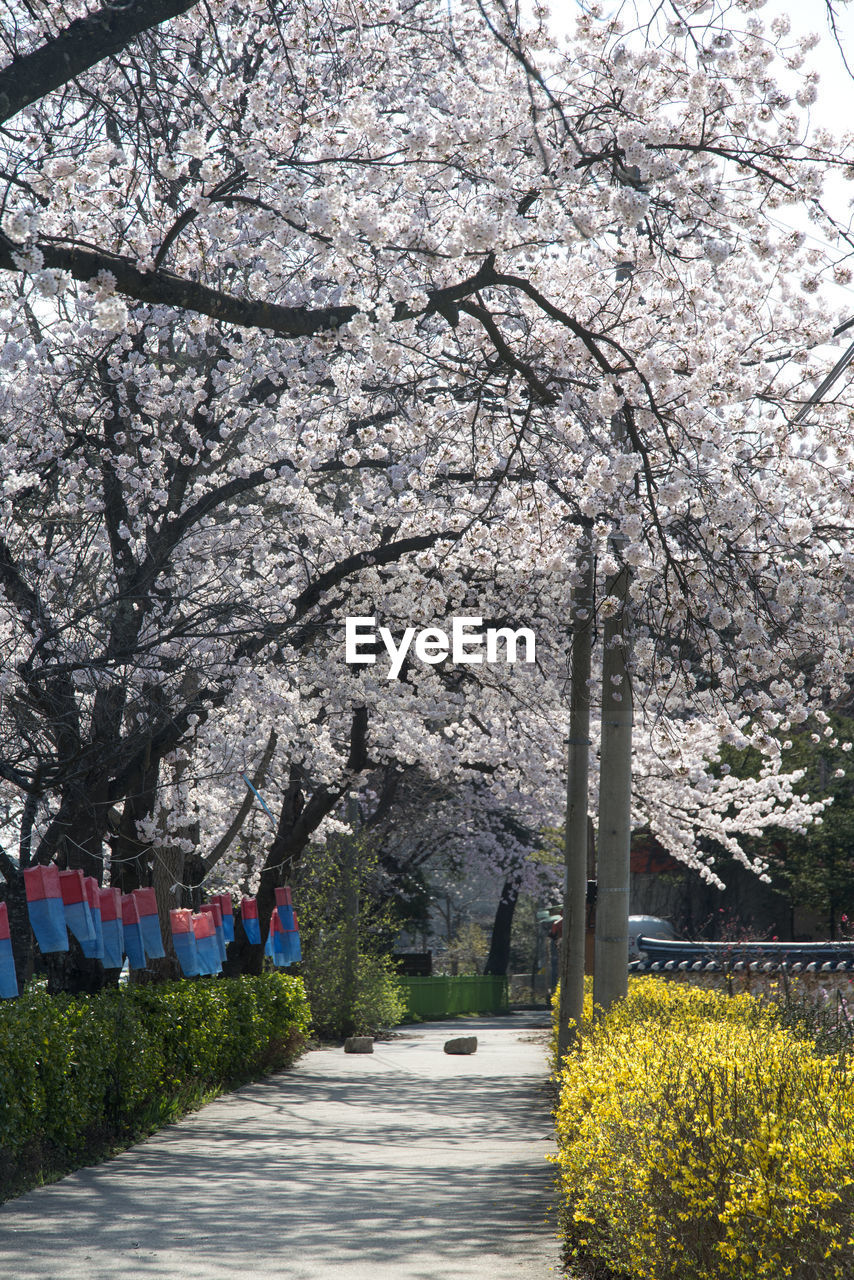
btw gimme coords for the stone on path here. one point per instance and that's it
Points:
(359, 1044)
(462, 1044)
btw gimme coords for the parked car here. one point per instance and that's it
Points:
(649, 927)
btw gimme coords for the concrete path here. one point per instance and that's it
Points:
(407, 1164)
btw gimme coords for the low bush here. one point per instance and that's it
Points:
(700, 1139)
(374, 1001)
(82, 1074)
(347, 930)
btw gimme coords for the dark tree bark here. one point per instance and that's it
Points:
(236, 826)
(81, 45)
(498, 960)
(15, 898)
(299, 818)
(72, 972)
(167, 289)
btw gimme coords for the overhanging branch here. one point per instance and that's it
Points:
(163, 288)
(79, 46)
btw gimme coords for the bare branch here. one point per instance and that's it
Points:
(7, 866)
(166, 289)
(225, 841)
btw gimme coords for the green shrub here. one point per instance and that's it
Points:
(347, 932)
(79, 1073)
(699, 1139)
(376, 1000)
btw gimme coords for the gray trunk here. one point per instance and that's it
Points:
(610, 980)
(576, 838)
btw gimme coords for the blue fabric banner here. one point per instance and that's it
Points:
(114, 944)
(187, 953)
(47, 917)
(209, 957)
(134, 946)
(94, 948)
(252, 929)
(78, 920)
(152, 939)
(8, 980)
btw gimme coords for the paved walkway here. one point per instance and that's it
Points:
(407, 1164)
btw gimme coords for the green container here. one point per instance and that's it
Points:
(444, 997)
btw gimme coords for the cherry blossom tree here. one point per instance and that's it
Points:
(323, 310)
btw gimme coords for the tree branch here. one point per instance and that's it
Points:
(225, 841)
(166, 289)
(82, 44)
(16, 777)
(357, 760)
(385, 553)
(10, 872)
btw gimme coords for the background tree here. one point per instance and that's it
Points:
(815, 871)
(291, 298)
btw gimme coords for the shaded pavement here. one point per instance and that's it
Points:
(406, 1164)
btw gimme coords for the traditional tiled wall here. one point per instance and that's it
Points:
(821, 982)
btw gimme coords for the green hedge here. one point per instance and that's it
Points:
(82, 1074)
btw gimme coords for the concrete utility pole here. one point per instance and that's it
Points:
(611, 955)
(576, 836)
(611, 964)
(350, 885)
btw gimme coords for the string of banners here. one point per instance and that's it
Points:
(111, 925)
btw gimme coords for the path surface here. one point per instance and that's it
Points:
(407, 1164)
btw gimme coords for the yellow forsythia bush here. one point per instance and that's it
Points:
(701, 1140)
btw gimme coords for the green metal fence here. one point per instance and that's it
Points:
(443, 997)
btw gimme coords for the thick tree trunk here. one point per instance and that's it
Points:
(72, 972)
(130, 855)
(242, 956)
(611, 958)
(19, 925)
(498, 960)
(298, 820)
(350, 949)
(166, 875)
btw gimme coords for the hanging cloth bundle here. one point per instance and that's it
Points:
(8, 979)
(44, 903)
(94, 947)
(112, 927)
(149, 923)
(214, 910)
(204, 930)
(184, 941)
(289, 945)
(249, 916)
(75, 901)
(134, 945)
(225, 906)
